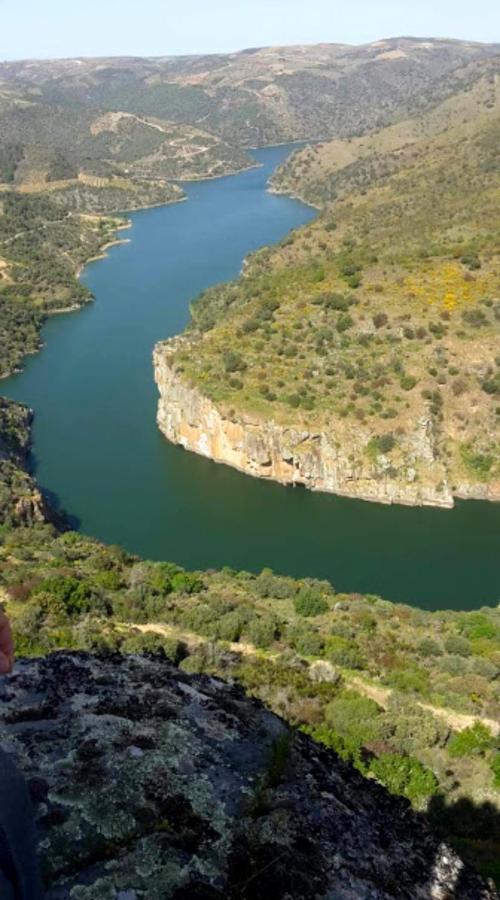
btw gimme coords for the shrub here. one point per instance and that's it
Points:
(385, 443)
(75, 596)
(471, 260)
(380, 319)
(187, 583)
(429, 647)
(406, 776)
(473, 741)
(457, 645)
(233, 361)
(309, 603)
(479, 463)
(306, 642)
(344, 652)
(231, 625)
(337, 301)
(474, 317)
(344, 322)
(492, 385)
(354, 717)
(269, 585)
(262, 631)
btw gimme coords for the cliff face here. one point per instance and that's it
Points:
(149, 783)
(21, 501)
(266, 449)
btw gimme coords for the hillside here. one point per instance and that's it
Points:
(42, 246)
(188, 117)
(364, 350)
(410, 698)
(88, 137)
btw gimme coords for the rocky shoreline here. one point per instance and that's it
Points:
(289, 455)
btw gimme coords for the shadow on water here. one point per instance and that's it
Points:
(58, 515)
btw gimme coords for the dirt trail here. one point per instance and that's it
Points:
(455, 720)
(381, 695)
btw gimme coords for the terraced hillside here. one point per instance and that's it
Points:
(362, 354)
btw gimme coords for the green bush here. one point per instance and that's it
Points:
(75, 596)
(309, 603)
(385, 443)
(343, 652)
(262, 631)
(187, 583)
(457, 645)
(473, 741)
(406, 776)
(354, 717)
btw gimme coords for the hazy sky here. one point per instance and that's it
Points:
(54, 28)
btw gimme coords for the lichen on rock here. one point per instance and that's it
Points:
(149, 783)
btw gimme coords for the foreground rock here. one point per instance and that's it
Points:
(149, 783)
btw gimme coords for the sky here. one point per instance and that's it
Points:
(63, 28)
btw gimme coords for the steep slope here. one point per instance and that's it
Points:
(411, 698)
(363, 352)
(148, 782)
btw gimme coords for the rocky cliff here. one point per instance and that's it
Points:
(318, 460)
(149, 783)
(21, 501)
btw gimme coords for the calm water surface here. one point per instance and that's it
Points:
(98, 449)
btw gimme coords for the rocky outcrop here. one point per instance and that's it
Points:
(150, 784)
(21, 501)
(267, 449)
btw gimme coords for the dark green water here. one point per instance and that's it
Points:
(98, 449)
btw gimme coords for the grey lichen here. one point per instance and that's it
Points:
(150, 784)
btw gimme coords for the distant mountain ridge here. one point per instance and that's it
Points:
(244, 99)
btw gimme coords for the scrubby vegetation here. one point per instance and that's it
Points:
(412, 698)
(379, 322)
(41, 247)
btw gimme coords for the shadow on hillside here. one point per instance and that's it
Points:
(474, 830)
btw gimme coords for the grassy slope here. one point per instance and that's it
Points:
(383, 313)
